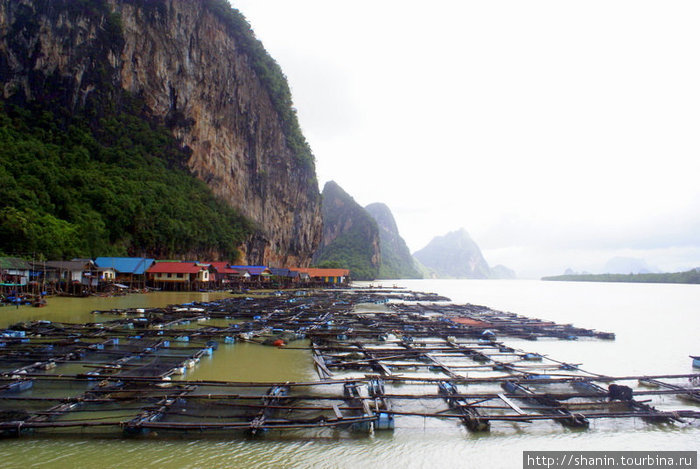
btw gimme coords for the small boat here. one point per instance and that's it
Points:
(18, 386)
(696, 361)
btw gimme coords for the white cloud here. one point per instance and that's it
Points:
(548, 129)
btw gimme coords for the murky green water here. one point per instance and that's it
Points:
(78, 310)
(657, 327)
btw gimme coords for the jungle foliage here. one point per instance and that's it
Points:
(86, 174)
(349, 251)
(355, 244)
(114, 184)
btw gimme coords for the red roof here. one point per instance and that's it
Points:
(223, 268)
(175, 268)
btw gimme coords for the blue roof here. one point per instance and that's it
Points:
(125, 265)
(282, 272)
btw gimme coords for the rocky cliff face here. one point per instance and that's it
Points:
(397, 261)
(194, 70)
(350, 235)
(454, 255)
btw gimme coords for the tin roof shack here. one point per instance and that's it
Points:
(284, 278)
(74, 278)
(327, 276)
(14, 275)
(259, 274)
(106, 274)
(130, 271)
(179, 275)
(225, 276)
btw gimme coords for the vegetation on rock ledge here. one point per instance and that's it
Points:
(270, 74)
(113, 185)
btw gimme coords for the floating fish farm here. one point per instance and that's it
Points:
(384, 359)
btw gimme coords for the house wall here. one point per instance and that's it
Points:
(108, 275)
(171, 277)
(203, 275)
(21, 276)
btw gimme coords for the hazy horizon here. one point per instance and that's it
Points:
(558, 134)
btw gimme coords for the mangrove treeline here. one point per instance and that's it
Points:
(690, 276)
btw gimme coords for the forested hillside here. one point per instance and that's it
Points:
(112, 184)
(159, 128)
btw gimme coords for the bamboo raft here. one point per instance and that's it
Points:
(378, 367)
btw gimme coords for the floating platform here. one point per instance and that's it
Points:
(379, 368)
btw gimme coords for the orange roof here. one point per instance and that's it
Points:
(472, 322)
(322, 272)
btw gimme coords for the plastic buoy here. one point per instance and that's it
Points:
(278, 343)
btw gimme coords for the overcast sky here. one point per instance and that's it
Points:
(558, 133)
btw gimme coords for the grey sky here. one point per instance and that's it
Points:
(558, 133)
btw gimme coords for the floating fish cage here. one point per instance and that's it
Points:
(377, 371)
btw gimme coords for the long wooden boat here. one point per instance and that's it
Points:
(17, 386)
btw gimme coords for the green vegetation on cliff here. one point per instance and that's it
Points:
(349, 251)
(690, 276)
(116, 187)
(350, 235)
(85, 168)
(397, 261)
(270, 74)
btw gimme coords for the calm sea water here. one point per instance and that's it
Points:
(657, 327)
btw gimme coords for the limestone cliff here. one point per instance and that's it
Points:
(350, 235)
(454, 255)
(397, 261)
(196, 66)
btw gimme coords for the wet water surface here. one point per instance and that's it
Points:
(657, 327)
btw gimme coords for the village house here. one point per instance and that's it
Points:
(224, 276)
(129, 271)
(67, 277)
(179, 275)
(259, 274)
(326, 276)
(106, 275)
(14, 274)
(284, 278)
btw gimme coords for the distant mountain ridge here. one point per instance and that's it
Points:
(618, 266)
(628, 265)
(350, 235)
(456, 255)
(396, 259)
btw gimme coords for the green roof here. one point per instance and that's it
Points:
(14, 263)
